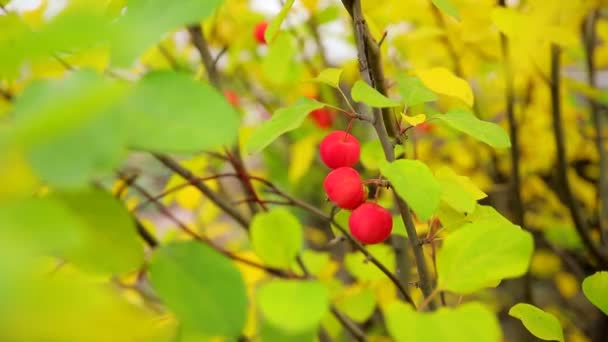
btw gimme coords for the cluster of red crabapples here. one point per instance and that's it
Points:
(369, 222)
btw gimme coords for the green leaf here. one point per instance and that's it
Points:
(488, 132)
(357, 264)
(110, 244)
(540, 323)
(293, 306)
(595, 288)
(413, 92)
(470, 322)
(447, 7)
(276, 237)
(414, 183)
(35, 227)
(145, 22)
(20, 44)
(327, 14)
(172, 112)
(564, 237)
(480, 255)
(357, 302)
(458, 191)
(363, 92)
(280, 65)
(202, 287)
(329, 76)
(314, 261)
(275, 24)
(69, 130)
(282, 121)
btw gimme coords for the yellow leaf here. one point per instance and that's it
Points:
(567, 284)
(310, 5)
(443, 81)
(414, 120)
(16, 176)
(302, 155)
(544, 264)
(188, 197)
(464, 181)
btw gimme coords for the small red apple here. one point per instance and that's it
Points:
(340, 149)
(322, 117)
(232, 97)
(370, 223)
(425, 127)
(259, 30)
(344, 188)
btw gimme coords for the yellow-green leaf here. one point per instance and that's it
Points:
(443, 81)
(470, 322)
(459, 192)
(595, 288)
(414, 183)
(202, 288)
(275, 24)
(357, 264)
(540, 323)
(363, 92)
(466, 122)
(276, 237)
(414, 120)
(357, 302)
(282, 121)
(413, 92)
(330, 76)
(447, 7)
(480, 255)
(293, 306)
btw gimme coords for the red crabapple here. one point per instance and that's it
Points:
(344, 188)
(232, 97)
(370, 223)
(259, 30)
(322, 117)
(340, 149)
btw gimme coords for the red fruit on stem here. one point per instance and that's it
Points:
(322, 117)
(370, 223)
(232, 97)
(344, 188)
(340, 149)
(258, 32)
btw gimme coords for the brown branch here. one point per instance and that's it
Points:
(214, 197)
(183, 227)
(344, 320)
(370, 68)
(516, 188)
(562, 163)
(198, 40)
(589, 40)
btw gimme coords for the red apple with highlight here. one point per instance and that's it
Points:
(370, 223)
(340, 149)
(344, 188)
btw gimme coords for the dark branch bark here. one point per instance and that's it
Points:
(214, 197)
(598, 117)
(562, 163)
(370, 68)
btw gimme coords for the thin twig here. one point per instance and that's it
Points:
(198, 40)
(344, 320)
(516, 187)
(182, 226)
(214, 197)
(562, 163)
(589, 40)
